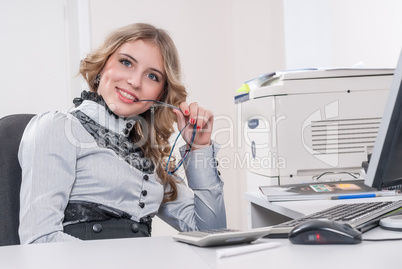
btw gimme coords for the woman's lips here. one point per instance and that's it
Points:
(125, 96)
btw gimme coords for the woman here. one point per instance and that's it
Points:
(103, 169)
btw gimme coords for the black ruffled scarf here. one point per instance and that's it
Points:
(93, 96)
(121, 144)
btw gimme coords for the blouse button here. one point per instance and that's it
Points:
(144, 192)
(129, 125)
(145, 177)
(135, 228)
(97, 228)
(141, 204)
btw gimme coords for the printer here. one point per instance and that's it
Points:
(310, 125)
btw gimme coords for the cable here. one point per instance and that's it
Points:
(382, 239)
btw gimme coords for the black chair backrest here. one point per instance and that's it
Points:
(11, 129)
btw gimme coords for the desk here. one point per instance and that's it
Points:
(264, 213)
(163, 252)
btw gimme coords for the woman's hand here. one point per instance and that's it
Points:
(195, 115)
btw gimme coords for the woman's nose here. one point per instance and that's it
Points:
(135, 80)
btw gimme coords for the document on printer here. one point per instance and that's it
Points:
(320, 190)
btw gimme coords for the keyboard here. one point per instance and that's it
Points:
(361, 216)
(217, 237)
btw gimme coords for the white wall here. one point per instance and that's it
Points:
(33, 61)
(41, 44)
(342, 33)
(368, 31)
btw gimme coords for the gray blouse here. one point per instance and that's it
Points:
(61, 161)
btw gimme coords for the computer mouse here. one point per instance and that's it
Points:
(324, 232)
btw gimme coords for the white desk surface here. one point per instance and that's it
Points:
(164, 252)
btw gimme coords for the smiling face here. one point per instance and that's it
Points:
(135, 71)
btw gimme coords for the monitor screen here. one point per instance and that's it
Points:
(385, 166)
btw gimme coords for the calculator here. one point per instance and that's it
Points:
(224, 236)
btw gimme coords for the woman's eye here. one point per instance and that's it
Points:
(153, 77)
(126, 62)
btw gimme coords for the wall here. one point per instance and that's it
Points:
(33, 62)
(41, 45)
(367, 31)
(342, 33)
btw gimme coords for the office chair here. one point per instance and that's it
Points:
(11, 130)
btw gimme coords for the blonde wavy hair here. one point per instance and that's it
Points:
(153, 133)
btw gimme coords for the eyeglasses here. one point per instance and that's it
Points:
(187, 151)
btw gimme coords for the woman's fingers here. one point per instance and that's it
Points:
(193, 117)
(193, 113)
(181, 120)
(185, 109)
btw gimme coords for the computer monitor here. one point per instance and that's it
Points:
(385, 165)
